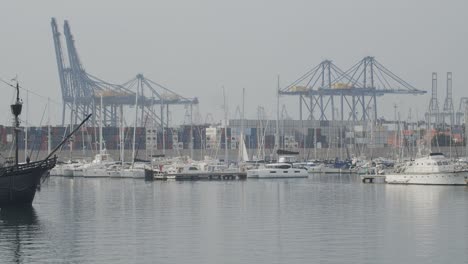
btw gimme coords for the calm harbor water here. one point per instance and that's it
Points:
(322, 219)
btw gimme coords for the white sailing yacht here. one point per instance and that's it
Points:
(284, 167)
(135, 169)
(102, 160)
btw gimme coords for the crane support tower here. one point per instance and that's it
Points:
(433, 116)
(448, 112)
(461, 110)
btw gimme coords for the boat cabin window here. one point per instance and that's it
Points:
(192, 168)
(287, 159)
(279, 166)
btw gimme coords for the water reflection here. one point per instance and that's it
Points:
(427, 218)
(17, 225)
(18, 216)
(322, 219)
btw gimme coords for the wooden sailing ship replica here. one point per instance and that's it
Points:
(19, 181)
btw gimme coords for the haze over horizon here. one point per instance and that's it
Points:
(196, 48)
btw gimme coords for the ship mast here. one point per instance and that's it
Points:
(16, 111)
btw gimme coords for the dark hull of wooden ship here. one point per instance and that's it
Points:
(18, 183)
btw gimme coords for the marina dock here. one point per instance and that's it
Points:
(207, 176)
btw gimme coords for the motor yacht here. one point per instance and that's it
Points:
(432, 169)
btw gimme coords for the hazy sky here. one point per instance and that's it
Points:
(196, 47)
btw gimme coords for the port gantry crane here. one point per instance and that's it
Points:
(357, 90)
(462, 106)
(82, 92)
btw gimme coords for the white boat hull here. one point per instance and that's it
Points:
(114, 173)
(78, 173)
(67, 172)
(57, 171)
(133, 173)
(315, 169)
(335, 170)
(277, 173)
(328, 170)
(96, 173)
(454, 178)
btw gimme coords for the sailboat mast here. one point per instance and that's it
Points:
(162, 129)
(70, 143)
(83, 143)
(466, 132)
(242, 144)
(225, 128)
(277, 139)
(26, 128)
(429, 130)
(16, 139)
(121, 134)
(100, 127)
(395, 147)
(315, 142)
(16, 110)
(401, 141)
(49, 142)
(72, 113)
(191, 132)
(340, 131)
(135, 127)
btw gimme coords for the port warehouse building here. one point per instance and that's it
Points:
(258, 133)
